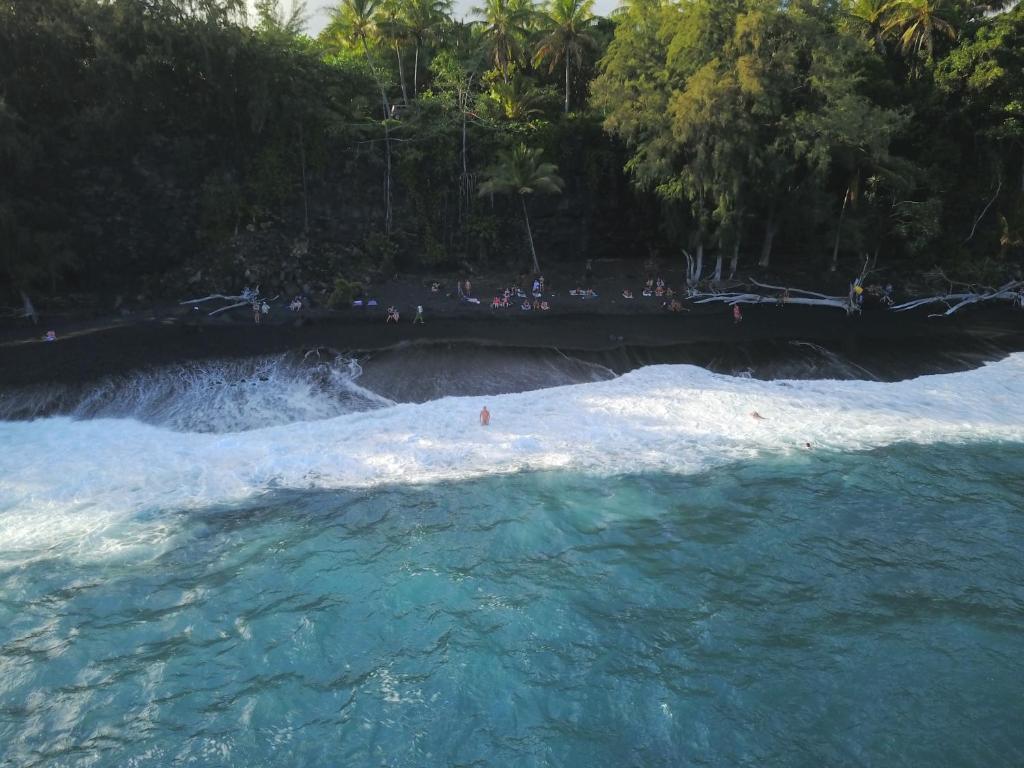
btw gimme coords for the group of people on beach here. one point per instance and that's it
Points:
(652, 287)
(393, 315)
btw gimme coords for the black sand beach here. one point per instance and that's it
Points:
(621, 337)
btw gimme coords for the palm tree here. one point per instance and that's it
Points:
(506, 24)
(355, 22)
(391, 27)
(918, 22)
(423, 19)
(567, 26)
(870, 17)
(517, 99)
(520, 171)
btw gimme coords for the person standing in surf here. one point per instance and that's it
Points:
(485, 417)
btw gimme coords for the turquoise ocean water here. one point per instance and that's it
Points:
(822, 608)
(270, 563)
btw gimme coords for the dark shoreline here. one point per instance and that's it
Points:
(90, 351)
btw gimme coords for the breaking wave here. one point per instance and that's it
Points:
(67, 482)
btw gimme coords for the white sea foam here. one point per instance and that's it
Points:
(210, 396)
(63, 478)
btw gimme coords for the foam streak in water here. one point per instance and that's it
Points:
(62, 477)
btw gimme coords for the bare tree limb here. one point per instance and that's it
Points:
(984, 210)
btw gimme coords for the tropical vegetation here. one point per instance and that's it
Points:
(147, 147)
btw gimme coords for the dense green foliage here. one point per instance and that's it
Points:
(149, 144)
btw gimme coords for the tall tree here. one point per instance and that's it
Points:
(567, 28)
(506, 24)
(392, 29)
(520, 171)
(917, 24)
(424, 19)
(868, 18)
(355, 22)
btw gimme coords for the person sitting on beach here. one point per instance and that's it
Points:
(392, 315)
(536, 288)
(526, 304)
(649, 285)
(675, 306)
(669, 293)
(659, 283)
(50, 336)
(496, 302)
(648, 293)
(536, 303)
(627, 294)
(296, 304)
(544, 306)
(435, 287)
(659, 291)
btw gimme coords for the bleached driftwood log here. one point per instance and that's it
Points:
(786, 296)
(1012, 291)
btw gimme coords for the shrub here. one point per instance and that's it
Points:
(343, 293)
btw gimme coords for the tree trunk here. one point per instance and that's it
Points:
(839, 231)
(464, 180)
(769, 236)
(305, 190)
(29, 307)
(401, 74)
(698, 267)
(718, 267)
(387, 140)
(735, 260)
(567, 60)
(529, 236)
(416, 72)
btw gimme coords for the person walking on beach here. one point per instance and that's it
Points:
(419, 315)
(485, 417)
(737, 314)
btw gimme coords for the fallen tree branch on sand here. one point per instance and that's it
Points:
(249, 297)
(1012, 291)
(757, 298)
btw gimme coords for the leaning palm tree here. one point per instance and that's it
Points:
(567, 26)
(917, 23)
(521, 172)
(506, 24)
